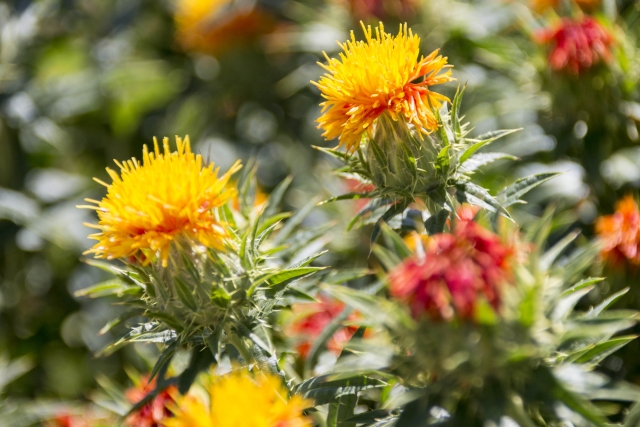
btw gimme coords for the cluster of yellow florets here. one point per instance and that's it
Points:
(383, 74)
(150, 205)
(240, 399)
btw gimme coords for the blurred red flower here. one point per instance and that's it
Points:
(355, 186)
(458, 268)
(382, 9)
(153, 413)
(68, 420)
(577, 45)
(310, 320)
(620, 232)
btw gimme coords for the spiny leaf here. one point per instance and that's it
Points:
(455, 111)
(595, 311)
(341, 155)
(511, 194)
(481, 159)
(474, 194)
(482, 141)
(394, 210)
(109, 287)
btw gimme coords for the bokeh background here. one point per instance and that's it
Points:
(83, 82)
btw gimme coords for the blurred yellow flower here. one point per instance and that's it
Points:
(149, 205)
(215, 25)
(239, 399)
(378, 76)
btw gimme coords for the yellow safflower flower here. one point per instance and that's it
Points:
(241, 400)
(149, 205)
(377, 76)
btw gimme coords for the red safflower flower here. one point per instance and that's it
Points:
(457, 269)
(577, 45)
(153, 413)
(312, 318)
(620, 232)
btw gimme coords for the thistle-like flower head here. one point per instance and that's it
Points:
(151, 204)
(240, 399)
(383, 74)
(457, 270)
(577, 45)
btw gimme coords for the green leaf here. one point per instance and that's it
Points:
(283, 277)
(608, 302)
(276, 196)
(478, 160)
(342, 410)
(221, 297)
(474, 194)
(107, 288)
(270, 221)
(435, 223)
(633, 417)
(455, 111)
(163, 361)
(443, 161)
(549, 257)
(482, 141)
(119, 319)
(201, 360)
(597, 353)
(167, 319)
(386, 257)
(348, 196)
(341, 155)
(308, 260)
(394, 210)
(570, 297)
(227, 216)
(512, 193)
(579, 405)
(393, 240)
(345, 275)
(580, 260)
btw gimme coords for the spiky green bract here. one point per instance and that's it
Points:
(532, 362)
(434, 170)
(217, 303)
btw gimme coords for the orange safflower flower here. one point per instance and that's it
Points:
(620, 232)
(381, 75)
